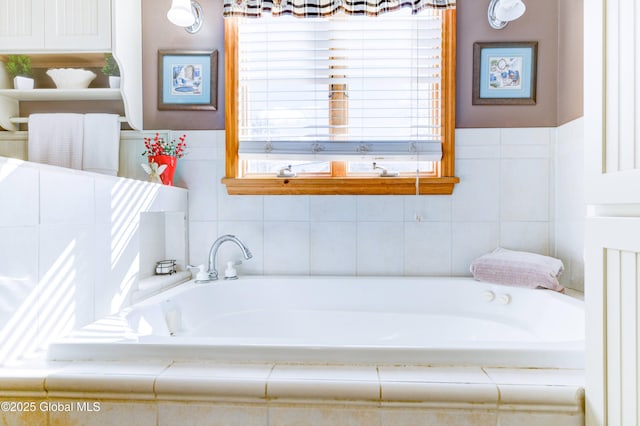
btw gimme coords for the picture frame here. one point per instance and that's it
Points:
(187, 80)
(504, 73)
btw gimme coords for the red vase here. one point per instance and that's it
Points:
(167, 175)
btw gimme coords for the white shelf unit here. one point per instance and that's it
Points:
(126, 46)
(62, 94)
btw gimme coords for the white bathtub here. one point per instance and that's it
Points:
(382, 320)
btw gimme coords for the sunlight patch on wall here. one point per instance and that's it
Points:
(46, 313)
(126, 285)
(7, 168)
(128, 199)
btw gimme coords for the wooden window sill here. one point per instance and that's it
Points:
(339, 186)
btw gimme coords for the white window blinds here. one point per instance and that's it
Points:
(341, 87)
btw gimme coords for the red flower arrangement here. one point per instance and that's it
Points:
(159, 146)
(166, 154)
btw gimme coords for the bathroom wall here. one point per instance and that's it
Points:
(159, 34)
(69, 248)
(555, 25)
(539, 23)
(505, 197)
(570, 207)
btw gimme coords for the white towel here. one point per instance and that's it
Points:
(56, 139)
(101, 153)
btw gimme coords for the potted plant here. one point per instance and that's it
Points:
(112, 70)
(19, 68)
(160, 153)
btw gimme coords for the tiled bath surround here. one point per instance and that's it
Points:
(519, 188)
(70, 249)
(509, 195)
(157, 393)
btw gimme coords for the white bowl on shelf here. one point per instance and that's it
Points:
(71, 78)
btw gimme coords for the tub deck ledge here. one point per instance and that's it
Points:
(387, 393)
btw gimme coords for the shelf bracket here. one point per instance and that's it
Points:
(8, 108)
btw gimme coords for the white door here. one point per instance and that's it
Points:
(21, 25)
(612, 190)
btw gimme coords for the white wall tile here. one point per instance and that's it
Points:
(480, 137)
(202, 145)
(569, 243)
(527, 236)
(239, 207)
(66, 279)
(286, 208)
(200, 179)
(427, 248)
(526, 135)
(477, 151)
(380, 208)
(61, 190)
(19, 256)
(103, 198)
(470, 240)
(525, 151)
(380, 248)
(202, 234)
(427, 208)
(332, 208)
(18, 291)
(477, 196)
(333, 248)
(19, 185)
(286, 248)
(525, 189)
(167, 199)
(108, 271)
(152, 242)
(569, 206)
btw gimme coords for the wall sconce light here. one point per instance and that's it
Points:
(501, 12)
(187, 14)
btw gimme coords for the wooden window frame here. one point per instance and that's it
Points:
(441, 184)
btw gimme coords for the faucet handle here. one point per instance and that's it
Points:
(202, 274)
(231, 273)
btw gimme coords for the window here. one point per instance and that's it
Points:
(332, 97)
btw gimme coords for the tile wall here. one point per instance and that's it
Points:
(69, 248)
(570, 207)
(505, 198)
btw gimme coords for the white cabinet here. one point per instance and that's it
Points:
(55, 25)
(124, 18)
(22, 26)
(612, 239)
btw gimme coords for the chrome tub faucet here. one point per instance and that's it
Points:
(213, 253)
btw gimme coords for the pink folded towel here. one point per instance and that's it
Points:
(518, 268)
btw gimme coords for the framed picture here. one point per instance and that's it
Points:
(187, 80)
(504, 73)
